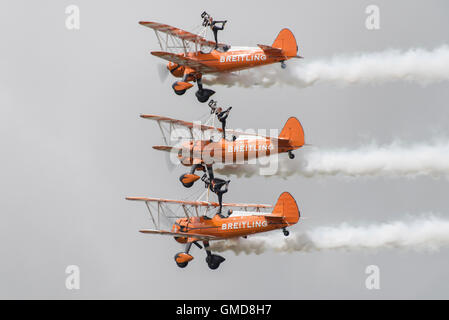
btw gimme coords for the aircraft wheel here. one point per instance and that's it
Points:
(283, 65)
(214, 261)
(187, 185)
(180, 92)
(204, 95)
(286, 232)
(291, 155)
(182, 264)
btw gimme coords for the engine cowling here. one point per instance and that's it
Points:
(175, 69)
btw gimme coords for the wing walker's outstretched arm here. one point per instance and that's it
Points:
(221, 114)
(209, 21)
(215, 30)
(217, 186)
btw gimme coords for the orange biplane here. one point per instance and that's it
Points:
(192, 55)
(200, 149)
(194, 226)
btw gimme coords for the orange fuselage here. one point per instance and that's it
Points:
(230, 152)
(224, 228)
(232, 60)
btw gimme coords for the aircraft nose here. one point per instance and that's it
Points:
(171, 66)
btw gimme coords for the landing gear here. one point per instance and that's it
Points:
(179, 92)
(291, 155)
(186, 185)
(202, 94)
(180, 264)
(182, 258)
(180, 87)
(286, 232)
(283, 65)
(188, 179)
(213, 260)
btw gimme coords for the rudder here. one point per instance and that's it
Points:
(287, 207)
(287, 42)
(294, 132)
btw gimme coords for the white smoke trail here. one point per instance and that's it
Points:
(426, 233)
(395, 160)
(415, 65)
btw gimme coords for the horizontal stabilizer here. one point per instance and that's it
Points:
(275, 218)
(271, 51)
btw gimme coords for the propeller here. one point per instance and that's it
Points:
(162, 71)
(169, 162)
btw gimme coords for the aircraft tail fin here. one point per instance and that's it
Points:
(287, 42)
(294, 132)
(287, 208)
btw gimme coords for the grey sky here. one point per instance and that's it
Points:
(73, 146)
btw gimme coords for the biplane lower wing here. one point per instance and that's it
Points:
(183, 61)
(179, 234)
(167, 148)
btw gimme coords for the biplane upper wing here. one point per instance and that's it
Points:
(191, 125)
(183, 123)
(184, 61)
(200, 203)
(181, 34)
(179, 234)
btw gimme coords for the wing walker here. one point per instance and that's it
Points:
(201, 146)
(190, 56)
